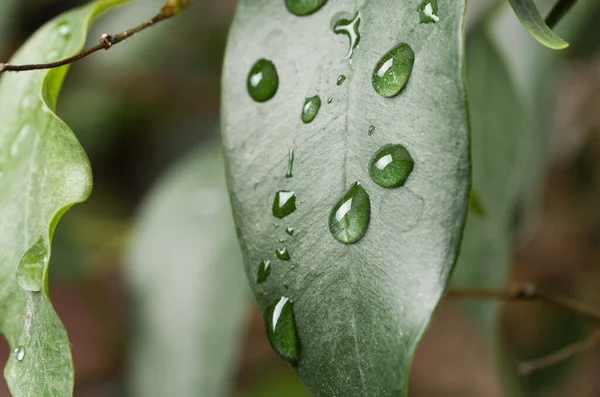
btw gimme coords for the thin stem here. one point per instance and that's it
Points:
(106, 41)
(560, 9)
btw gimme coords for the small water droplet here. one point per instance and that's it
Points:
(350, 217)
(30, 272)
(281, 330)
(393, 70)
(341, 80)
(293, 267)
(428, 11)
(21, 135)
(64, 30)
(310, 109)
(391, 165)
(286, 285)
(276, 225)
(349, 27)
(371, 130)
(290, 170)
(263, 80)
(264, 270)
(290, 231)
(19, 353)
(283, 254)
(330, 99)
(284, 203)
(304, 7)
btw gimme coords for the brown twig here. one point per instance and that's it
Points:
(170, 9)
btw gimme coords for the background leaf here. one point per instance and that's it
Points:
(187, 284)
(531, 19)
(359, 309)
(43, 172)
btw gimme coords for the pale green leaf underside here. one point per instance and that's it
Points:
(360, 309)
(43, 171)
(186, 280)
(532, 20)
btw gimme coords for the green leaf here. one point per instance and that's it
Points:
(359, 309)
(531, 19)
(43, 172)
(187, 284)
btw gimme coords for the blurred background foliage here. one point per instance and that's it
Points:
(143, 298)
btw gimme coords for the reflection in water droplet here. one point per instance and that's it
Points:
(284, 203)
(391, 165)
(393, 70)
(290, 164)
(281, 330)
(30, 272)
(349, 218)
(304, 7)
(263, 80)
(290, 231)
(310, 109)
(341, 80)
(330, 99)
(283, 254)
(64, 30)
(428, 11)
(21, 135)
(19, 353)
(264, 270)
(371, 130)
(351, 29)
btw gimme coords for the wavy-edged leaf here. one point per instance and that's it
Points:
(359, 309)
(187, 284)
(532, 20)
(43, 171)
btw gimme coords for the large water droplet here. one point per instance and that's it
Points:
(262, 80)
(283, 254)
(428, 11)
(350, 217)
(19, 353)
(290, 170)
(341, 80)
(30, 272)
(391, 165)
(349, 27)
(393, 70)
(284, 203)
(281, 330)
(304, 7)
(264, 270)
(310, 109)
(290, 231)
(64, 30)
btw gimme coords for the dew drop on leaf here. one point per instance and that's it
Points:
(263, 80)
(283, 254)
(64, 30)
(304, 7)
(310, 109)
(371, 130)
(330, 99)
(350, 28)
(30, 272)
(19, 353)
(281, 330)
(349, 218)
(284, 203)
(290, 231)
(264, 270)
(290, 170)
(391, 165)
(393, 70)
(428, 11)
(341, 80)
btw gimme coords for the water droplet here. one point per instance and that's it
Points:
(293, 267)
(262, 80)
(264, 270)
(281, 330)
(391, 165)
(286, 285)
(64, 30)
(290, 231)
(371, 130)
(393, 70)
(21, 135)
(19, 353)
(30, 273)
(304, 7)
(283, 254)
(349, 27)
(341, 80)
(310, 109)
(350, 217)
(428, 11)
(330, 99)
(281, 240)
(284, 203)
(289, 173)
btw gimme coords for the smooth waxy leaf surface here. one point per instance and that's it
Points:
(187, 284)
(43, 171)
(359, 308)
(531, 19)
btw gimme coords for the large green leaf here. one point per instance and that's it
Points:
(531, 19)
(187, 284)
(43, 171)
(359, 309)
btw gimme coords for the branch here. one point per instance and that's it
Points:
(560, 9)
(170, 9)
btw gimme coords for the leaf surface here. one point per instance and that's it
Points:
(532, 20)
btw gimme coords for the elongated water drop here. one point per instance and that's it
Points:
(30, 272)
(19, 353)
(290, 170)
(310, 109)
(263, 80)
(304, 7)
(350, 28)
(428, 11)
(284, 203)
(393, 70)
(350, 217)
(283, 254)
(264, 270)
(391, 165)
(371, 130)
(281, 330)
(330, 99)
(341, 80)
